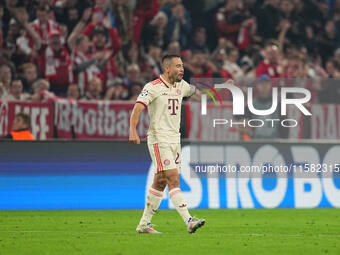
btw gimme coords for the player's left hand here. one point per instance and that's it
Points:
(134, 138)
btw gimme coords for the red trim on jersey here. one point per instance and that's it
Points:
(163, 82)
(142, 103)
(155, 82)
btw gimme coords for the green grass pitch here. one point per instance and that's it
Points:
(275, 231)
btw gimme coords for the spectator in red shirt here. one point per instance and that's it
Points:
(270, 65)
(55, 63)
(43, 25)
(200, 67)
(83, 64)
(230, 19)
(144, 12)
(296, 75)
(53, 58)
(109, 47)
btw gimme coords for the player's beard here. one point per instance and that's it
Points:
(178, 77)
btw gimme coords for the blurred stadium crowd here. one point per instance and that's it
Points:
(108, 49)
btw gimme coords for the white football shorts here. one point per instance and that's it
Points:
(165, 156)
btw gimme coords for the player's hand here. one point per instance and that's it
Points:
(134, 138)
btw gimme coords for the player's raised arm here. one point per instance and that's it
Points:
(137, 109)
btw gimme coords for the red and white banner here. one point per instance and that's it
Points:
(325, 122)
(110, 120)
(96, 120)
(41, 117)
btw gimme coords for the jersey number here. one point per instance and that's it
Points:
(177, 159)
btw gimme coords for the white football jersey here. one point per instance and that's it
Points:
(164, 103)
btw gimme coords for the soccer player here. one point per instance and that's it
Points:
(163, 97)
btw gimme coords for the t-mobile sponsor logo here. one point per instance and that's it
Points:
(173, 105)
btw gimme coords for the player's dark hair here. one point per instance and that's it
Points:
(26, 118)
(169, 57)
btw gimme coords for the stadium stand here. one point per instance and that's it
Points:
(107, 49)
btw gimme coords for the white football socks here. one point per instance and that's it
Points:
(179, 202)
(153, 200)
